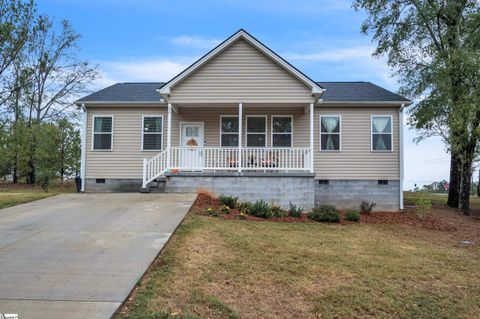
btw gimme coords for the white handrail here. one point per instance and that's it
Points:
(227, 159)
(154, 167)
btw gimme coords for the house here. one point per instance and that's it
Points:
(242, 120)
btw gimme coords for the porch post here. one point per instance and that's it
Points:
(240, 118)
(311, 135)
(169, 133)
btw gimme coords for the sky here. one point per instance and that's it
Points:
(153, 40)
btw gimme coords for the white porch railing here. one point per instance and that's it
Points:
(227, 159)
(154, 167)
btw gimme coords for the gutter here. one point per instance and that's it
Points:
(116, 103)
(400, 138)
(370, 103)
(84, 146)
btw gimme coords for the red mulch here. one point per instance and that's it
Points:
(206, 200)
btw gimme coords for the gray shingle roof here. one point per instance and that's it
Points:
(357, 92)
(126, 92)
(336, 91)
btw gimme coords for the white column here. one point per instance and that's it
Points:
(240, 125)
(169, 133)
(311, 135)
(400, 138)
(144, 173)
(84, 147)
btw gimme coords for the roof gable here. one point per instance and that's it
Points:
(315, 89)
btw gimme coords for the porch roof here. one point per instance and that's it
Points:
(146, 93)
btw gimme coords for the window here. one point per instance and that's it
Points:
(323, 181)
(229, 131)
(381, 133)
(256, 131)
(330, 132)
(281, 131)
(382, 182)
(102, 132)
(152, 133)
(100, 180)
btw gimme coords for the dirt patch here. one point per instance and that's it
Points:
(205, 201)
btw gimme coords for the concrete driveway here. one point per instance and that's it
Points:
(79, 255)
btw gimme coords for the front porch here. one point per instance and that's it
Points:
(241, 135)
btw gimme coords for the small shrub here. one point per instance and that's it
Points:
(424, 205)
(277, 211)
(366, 207)
(211, 212)
(224, 209)
(242, 215)
(325, 213)
(244, 207)
(229, 201)
(294, 210)
(43, 180)
(353, 216)
(260, 209)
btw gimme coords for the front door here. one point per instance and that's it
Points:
(191, 154)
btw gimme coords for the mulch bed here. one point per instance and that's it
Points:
(205, 200)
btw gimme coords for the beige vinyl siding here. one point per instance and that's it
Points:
(126, 159)
(210, 116)
(356, 160)
(240, 73)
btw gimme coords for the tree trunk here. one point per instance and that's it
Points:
(454, 185)
(15, 175)
(478, 184)
(465, 188)
(31, 173)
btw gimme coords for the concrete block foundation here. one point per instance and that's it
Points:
(300, 189)
(279, 189)
(349, 194)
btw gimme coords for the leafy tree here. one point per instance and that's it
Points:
(57, 76)
(4, 162)
(16, 17)
(68, 148)
(46, 154)
(40, 74)
(433, 47)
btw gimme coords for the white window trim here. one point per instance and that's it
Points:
(339, 133)
(272, 133)
(246, 130)
(143, 132)
(93, 133)
(391, 133)
(220, 137)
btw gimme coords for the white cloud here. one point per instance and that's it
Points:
(196, 42)
(359, 52)
(150, 70)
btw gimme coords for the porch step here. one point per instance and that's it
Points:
(155, 186)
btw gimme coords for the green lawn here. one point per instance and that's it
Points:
(437, 199)
(11, 195)
(215, 268)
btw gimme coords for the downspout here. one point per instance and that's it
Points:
(84, 147)
(400, 137)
